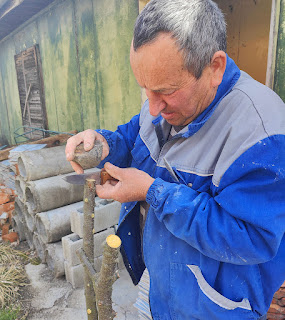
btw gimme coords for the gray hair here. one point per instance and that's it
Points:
(198, 26)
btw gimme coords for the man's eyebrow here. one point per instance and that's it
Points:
(171, 87)
(165, 89)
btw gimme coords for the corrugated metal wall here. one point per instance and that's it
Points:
(84, 47)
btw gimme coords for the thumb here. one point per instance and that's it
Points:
(113, 170)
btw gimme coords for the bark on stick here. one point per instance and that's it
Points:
(107, 277)
(88, 246)
(103, 281)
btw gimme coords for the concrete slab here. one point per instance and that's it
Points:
(55, 299)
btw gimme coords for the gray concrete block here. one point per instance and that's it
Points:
(20, 187)
(98, 263)
(19, 208)
(18, 226)
(30, 217)
(107, 214)
(40, 247)
(74, 274)
(99, 240)
(121, 265)
(73, 242)
(70, 244)
(54, 258)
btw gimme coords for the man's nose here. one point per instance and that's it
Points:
(156, 102)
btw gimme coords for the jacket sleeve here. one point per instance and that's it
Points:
(244, 222)
(121, 142)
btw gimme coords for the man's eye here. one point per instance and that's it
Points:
(168, 93)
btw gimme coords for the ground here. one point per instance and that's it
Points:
(54, 299)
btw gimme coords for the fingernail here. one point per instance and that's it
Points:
(87, 145)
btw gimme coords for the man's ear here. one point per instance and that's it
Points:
(218, 67)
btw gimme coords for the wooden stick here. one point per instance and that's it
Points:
(107, 277)
(88, 246)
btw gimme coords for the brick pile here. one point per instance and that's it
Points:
(277, 308)
(7, 206)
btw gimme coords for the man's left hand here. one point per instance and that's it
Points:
(133, 184)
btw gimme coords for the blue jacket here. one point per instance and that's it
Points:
(213, 240)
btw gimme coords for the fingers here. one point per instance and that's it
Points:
(133, 184)
(114, 171)
(76, 167)
(107, 190)
(88, 138)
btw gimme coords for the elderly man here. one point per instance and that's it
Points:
(201, 171)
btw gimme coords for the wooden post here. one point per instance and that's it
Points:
(107, 277)
(88, 246)
(272, 45)
(98, 286)
(103, 281)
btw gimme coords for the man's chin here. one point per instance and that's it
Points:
(176, 122)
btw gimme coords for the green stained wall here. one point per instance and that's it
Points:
(279, 82)
(84, 47)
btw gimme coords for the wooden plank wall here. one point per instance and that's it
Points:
(84, 47)
(279, 81)
(248, 25)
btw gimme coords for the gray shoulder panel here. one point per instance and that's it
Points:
(248, 114)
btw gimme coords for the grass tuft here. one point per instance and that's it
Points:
(10, 313)
(12, 276)
(9, 255)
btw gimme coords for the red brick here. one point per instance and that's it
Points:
(4, 198)
(11, 237)
(6, 207)
(9, 191)
(5, 229)
(274, 308)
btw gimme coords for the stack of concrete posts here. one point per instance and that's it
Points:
(105, 219)
(49, 213)
(45, 202)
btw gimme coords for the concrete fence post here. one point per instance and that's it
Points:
(44, 163)
(51, 193)
(54, 224)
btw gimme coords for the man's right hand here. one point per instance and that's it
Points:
(86, 137)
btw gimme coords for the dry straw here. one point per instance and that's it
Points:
(12, 274)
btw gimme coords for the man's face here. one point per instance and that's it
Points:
(172, 91)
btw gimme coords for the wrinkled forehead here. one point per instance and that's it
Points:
(157, 63)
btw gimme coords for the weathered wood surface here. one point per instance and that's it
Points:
(88, 82)
(279, 81)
